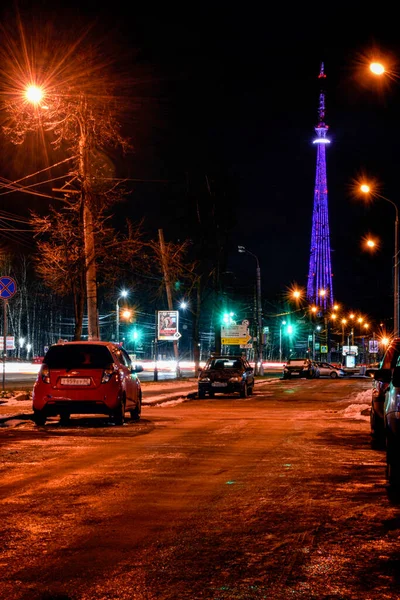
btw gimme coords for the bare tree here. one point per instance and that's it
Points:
(60, 262)
(75, 104)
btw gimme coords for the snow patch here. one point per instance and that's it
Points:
(354, 412)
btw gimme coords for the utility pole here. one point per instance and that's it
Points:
(259, 314)
(259, 369)
(169, 293)
(88, 231)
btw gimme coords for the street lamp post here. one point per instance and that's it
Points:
(344, 321)
(123, 294)
(259, 370)
(366, 189)
(280, 341)
(83, 121)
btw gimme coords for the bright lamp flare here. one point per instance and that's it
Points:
(377, 68)
(365, 188)
(34, 94)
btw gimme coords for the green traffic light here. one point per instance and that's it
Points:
(135, 335)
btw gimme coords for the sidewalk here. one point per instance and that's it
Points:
(19, 406)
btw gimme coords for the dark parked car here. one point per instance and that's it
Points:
(379, 388)
(87, 378)
(391, 417)
(226, 374)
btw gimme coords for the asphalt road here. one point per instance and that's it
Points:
(279, 495)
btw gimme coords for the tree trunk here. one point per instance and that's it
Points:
(168, 290)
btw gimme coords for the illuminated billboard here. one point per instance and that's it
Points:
(167, 325)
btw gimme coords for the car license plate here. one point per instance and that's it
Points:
(219, 384)
(75, 381)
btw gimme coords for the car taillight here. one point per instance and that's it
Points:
(44, 373)
(108, 372)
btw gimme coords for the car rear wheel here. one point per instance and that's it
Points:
(377, 426)
(393, 474)
(119, 414)
(244, 392)
(39, 417)
(333, 375)
(211, 393)
(392, 462)
(64, 417)
(137, 411)
(201, 394)
(250, 390)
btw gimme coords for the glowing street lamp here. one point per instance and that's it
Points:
(34, 94)
(21, 342)
(385, 341)
(377, 68)
(366, 189)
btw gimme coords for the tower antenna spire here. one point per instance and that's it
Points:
(319, 285)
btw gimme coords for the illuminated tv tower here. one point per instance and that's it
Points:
(319, 285)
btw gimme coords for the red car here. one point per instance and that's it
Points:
(87, 378)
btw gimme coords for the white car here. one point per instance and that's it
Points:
(328, 370)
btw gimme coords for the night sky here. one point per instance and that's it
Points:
(234, 93)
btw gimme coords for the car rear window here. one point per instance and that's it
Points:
(76, 356)
(225, 364)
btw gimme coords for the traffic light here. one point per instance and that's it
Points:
(227, 318)
(135, 335)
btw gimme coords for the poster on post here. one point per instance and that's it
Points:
(167, 325)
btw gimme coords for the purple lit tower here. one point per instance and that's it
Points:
(319, 286)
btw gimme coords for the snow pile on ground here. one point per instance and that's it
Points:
(360, 407)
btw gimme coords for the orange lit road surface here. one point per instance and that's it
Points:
(278, 495)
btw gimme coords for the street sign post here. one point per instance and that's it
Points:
(8, 287)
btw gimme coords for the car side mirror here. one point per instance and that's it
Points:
(396, 377)
(137, 368)
(384, 375)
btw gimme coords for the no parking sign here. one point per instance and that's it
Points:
(8, 287)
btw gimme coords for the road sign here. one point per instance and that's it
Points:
(8, 287)
(235, 341)
(10, 342)
(373, 346)
(234, 330)
(245, 322)
(177, 335)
